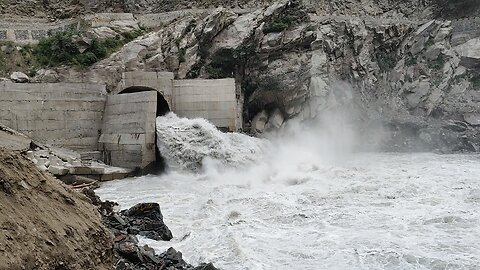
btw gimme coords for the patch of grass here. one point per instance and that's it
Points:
(410, 61)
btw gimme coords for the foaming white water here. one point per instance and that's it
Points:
(186, 143)
(305, 203)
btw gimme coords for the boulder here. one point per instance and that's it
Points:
(469, 53)
(472, 118)
(46, 76)
(259, 122)
(19, 77)
(275, 121)
(143, 219)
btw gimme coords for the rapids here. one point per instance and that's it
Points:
(303, 201)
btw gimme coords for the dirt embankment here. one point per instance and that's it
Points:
(44, 225)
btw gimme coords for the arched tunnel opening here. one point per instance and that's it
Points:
(162, 104)
(163, 108)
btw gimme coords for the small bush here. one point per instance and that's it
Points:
(59, 49)
(181, 55)
(278, 25)
(223, 64)
(475, 80)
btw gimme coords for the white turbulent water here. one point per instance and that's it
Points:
(304, 206)
(185, 143)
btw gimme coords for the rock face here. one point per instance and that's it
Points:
(407, 75)
(72, 8)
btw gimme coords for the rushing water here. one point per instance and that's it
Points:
(302, 204)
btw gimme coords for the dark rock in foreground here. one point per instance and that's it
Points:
(144, 219)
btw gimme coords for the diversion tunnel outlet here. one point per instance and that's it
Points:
(159, 165)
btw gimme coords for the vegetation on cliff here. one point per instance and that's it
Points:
(62, 48)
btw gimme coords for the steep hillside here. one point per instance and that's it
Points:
(417, 79)
(44, 225)
(389, 8)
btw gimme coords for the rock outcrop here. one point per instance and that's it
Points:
(416, 79)
(407, 8)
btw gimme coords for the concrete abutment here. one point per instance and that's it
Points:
(122, 124)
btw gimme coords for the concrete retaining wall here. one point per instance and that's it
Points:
(31, 31)
(465, 29)
(214, 100)
(58, 114)
(83, 118)
(158, 81)
(128, 134)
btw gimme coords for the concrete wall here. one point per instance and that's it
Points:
(214, 100)
(159, 81)
(128, 134)
(31, 31)
(465, 29)
(58, 114)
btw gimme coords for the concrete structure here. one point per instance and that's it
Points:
(128, 133)
(465, 29)
(58, 114)
(32, 30)
(214, 100)
(120, 126)
(162, 82)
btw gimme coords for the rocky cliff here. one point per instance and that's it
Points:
(390, 8)
(417, 79)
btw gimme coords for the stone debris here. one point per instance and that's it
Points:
(19, 77)
(144, 219)
(66, 164)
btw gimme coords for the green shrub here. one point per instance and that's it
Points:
(222, 65)
(59, 49)
(56, 49)
(475, 80)
(278, 25)
(181, 55)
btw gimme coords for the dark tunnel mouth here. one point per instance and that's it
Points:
(162, 104)
(159, 166)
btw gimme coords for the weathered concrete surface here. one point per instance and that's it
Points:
(214, 100)
(161, 82)
(128, 134)
(57, 114)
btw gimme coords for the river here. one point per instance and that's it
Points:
(311, 205)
